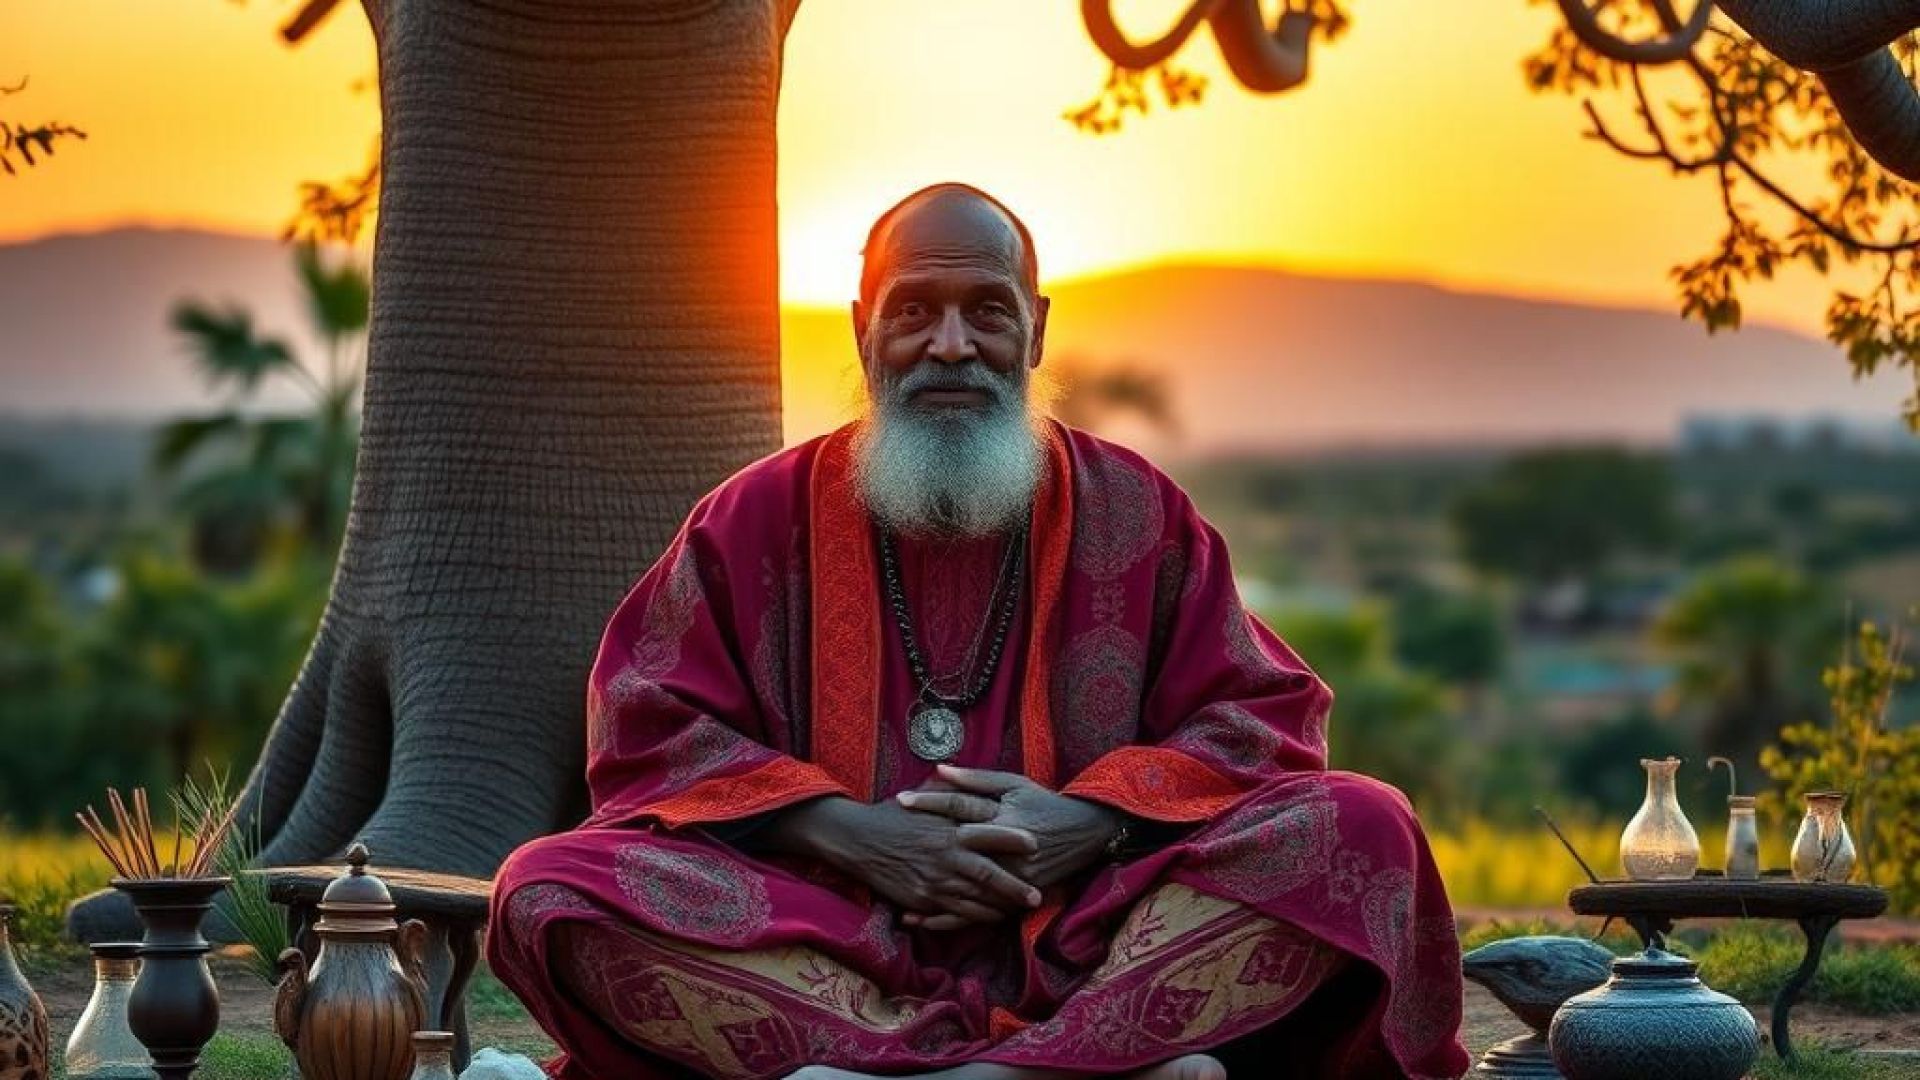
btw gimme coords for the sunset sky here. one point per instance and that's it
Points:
(1415, 151)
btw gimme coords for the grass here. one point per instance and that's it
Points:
(1822, 1063)
(1752, 961)
(40, 874)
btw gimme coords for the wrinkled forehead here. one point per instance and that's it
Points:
(951, 231)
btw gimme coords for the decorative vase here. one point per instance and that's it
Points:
(102, 1046)
(174, 1008)
(1823, 849)
(23, 1019)
(1659, 844)
(351, 1014)
(1743, 840)
(1654, 1020)
(433, 1055)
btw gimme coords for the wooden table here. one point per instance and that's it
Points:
(454, 909)
(1651, 907)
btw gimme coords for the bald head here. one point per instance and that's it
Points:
(950, 220)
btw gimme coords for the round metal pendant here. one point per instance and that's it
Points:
(935, 733)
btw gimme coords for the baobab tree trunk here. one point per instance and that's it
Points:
(574, 335)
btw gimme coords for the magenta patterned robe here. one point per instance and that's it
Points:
(751, 668)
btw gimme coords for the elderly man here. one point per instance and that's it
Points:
(942, 745)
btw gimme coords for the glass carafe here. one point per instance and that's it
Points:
(1823, 850)
(102, 1046)
(1659, 844)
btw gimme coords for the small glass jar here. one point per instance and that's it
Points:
(432, 1055)
(102, 1046)
(1823, 850)
(1743, 840)
(1659, 844)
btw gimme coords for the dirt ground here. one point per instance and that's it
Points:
(246, 1008)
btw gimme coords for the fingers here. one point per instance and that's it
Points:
(941, 922)
(994, 883)
(997, 840)
(960, 910)
(983, 781)
(957, 805)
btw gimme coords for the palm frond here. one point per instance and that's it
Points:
(337, 296)
(225, 346)
(178, 439)
(260, 922)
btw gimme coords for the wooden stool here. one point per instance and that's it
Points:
(1651, 907)
(454, 909)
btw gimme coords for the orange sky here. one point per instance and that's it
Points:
(1415, 151)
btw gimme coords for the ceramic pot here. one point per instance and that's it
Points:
(1659, 844)
(102, 1046)
(174, 1008)
(1823, 849)
(23, 1019)
(1653, 1020)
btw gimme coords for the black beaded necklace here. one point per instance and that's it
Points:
(935, 730)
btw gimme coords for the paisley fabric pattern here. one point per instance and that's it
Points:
(1118, 515)
(1097, 687)
(706, 896)
(645, 944)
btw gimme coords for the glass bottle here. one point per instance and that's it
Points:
(432, 1055)
(1743, 840)
(102, 1046)
(1659, 844)
(1823, 850)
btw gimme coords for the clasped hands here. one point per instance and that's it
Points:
(975, 846)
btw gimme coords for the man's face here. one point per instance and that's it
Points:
(951, 315)
(947, 344)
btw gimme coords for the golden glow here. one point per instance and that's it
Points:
(1415, 151)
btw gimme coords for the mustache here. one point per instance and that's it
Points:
(972, 375)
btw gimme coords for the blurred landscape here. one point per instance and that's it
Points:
(1529, 542)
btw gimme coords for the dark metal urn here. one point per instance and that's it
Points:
(174, 1008)
(1654, 1020)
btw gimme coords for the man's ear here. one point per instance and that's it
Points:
(1040, 306)
(860, 330)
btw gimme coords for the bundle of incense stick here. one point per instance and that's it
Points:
(129, 845)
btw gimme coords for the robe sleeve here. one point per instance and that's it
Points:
(1227, 705)
(676, 733)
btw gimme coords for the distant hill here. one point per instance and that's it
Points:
(1257, 358)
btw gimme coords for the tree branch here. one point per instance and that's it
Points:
(1821, 35)
(1111, 40)
(1833, 232)
(1678, 44)
(1601, 132)
(1262, 61)
(306, 19)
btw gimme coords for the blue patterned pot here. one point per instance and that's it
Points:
(1654, 1020)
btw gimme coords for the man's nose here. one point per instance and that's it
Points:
(952, 339)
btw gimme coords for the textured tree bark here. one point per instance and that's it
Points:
(574, 336)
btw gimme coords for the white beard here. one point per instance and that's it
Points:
(949, 471)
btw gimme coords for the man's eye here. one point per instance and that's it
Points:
(912, 309)
(993, 309)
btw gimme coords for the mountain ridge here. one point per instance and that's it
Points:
(1256, 357)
